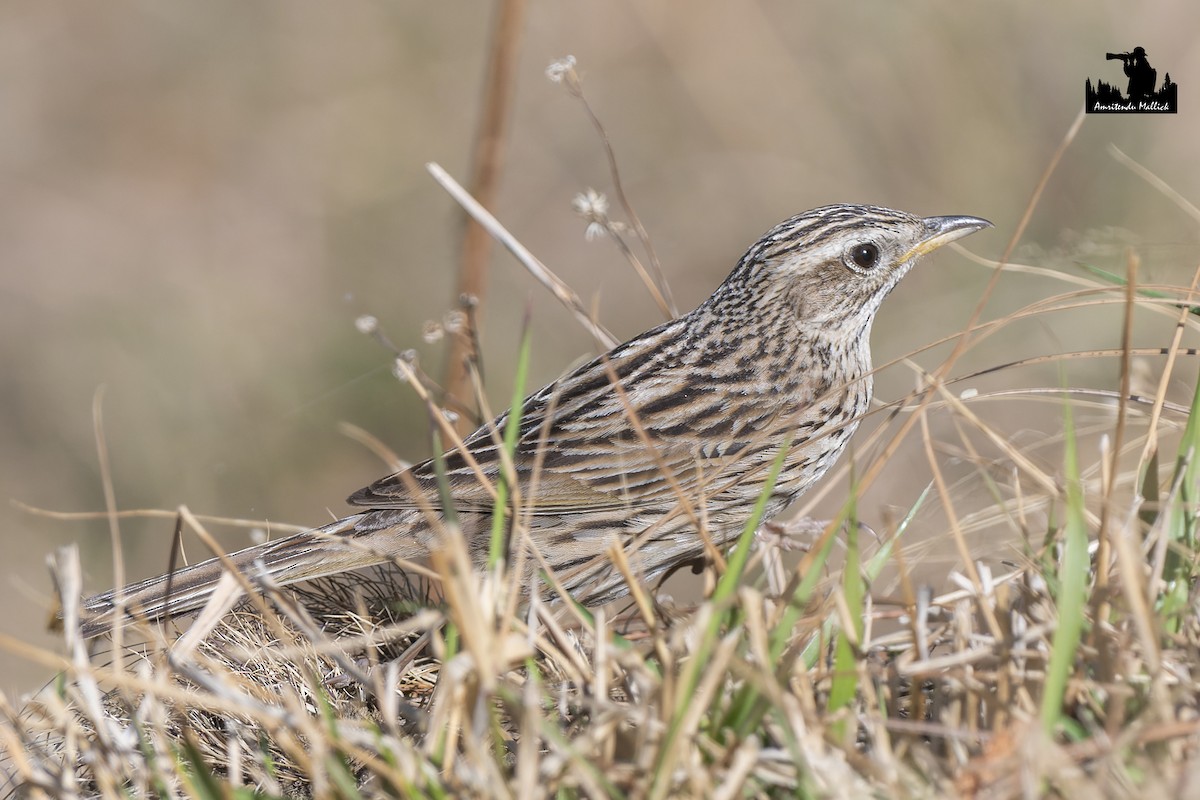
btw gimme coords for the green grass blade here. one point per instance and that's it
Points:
(804, 592)
(1181, 522)
(512, 429)
(845, 660)
(736, 565)
(724, 591)
(1148, 514)
(871, 570)
(200, 780)
(443, 483)
(1072, 594)
(877, 562)
(1110, 277)
(747, 708)
(1189, 447)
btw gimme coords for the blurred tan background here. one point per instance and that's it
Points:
(199, 199)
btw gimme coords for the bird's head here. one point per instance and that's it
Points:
(832, 267)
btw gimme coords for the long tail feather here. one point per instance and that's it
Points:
(300, 557)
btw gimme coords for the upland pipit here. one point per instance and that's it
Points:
(668, 433)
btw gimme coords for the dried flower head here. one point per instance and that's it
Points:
(593, 207)
(404, 365)
(560, 70)
(432, 331)
(455, 321)
(590, 204)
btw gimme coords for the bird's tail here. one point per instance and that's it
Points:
(312, 554)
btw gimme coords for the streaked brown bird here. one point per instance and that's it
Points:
(674, 429)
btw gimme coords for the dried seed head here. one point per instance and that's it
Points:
(432, 331)
(455, 321)
(560, 70)
(404, 365)
(590, 204)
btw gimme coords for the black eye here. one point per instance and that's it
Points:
(864, 255)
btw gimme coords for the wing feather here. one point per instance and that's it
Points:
(592, 455)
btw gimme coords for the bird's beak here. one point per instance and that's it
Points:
(943, 230)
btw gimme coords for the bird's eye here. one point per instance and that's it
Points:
(862, 256)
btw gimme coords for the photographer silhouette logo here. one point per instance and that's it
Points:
(1140, 96)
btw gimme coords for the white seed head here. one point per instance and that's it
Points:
(590, 204)
(455, 321)
(558, 70)
(432, 331)
(402, 367)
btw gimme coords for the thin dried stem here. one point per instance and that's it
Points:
(488, 164)
(654, 278)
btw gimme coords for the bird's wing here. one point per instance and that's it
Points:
(591, 452)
